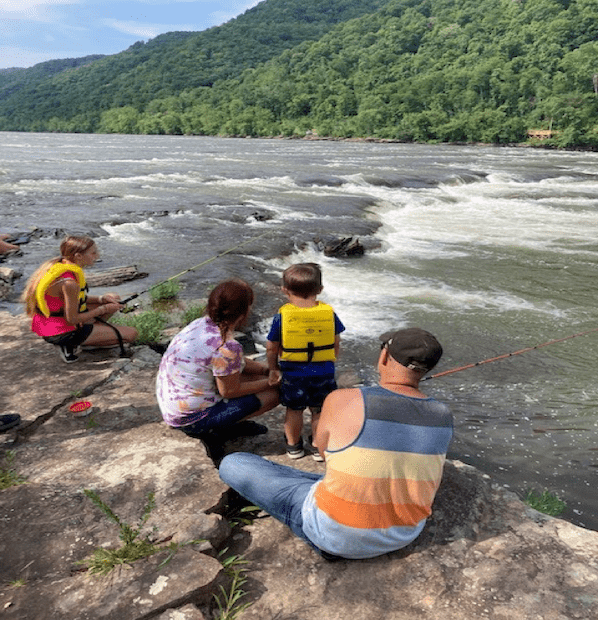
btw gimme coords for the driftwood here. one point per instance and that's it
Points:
(344, 247)
(114, 276)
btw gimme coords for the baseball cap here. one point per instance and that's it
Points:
(413, 347)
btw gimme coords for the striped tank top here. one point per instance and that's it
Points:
(378, 491)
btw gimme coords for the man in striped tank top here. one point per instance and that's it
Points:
(384, 448)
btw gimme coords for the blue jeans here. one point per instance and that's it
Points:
(223, 414)
(277, 489)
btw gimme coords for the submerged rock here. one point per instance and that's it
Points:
(347, 246)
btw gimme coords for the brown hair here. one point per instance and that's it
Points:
(74, 245)
(229, 301)
(303, 279)
(69, 246)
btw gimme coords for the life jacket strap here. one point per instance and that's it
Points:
(82, 306)
(310, 349)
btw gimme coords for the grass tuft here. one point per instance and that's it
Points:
(8, 476)
(545, 502)
(149, 324)
(192, 313)
(229, 606)
(165, 290)
(134, 547)
(102, 560)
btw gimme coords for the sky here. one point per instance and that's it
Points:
(33, 31)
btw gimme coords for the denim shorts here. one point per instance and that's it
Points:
(225, 413)
(300, 392)
(73, 338)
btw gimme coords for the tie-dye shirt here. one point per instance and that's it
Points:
(185, 386)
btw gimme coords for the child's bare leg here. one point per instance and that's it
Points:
(315, 417)
(293, 426)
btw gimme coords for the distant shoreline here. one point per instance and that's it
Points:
(537, 145)
(362, 140)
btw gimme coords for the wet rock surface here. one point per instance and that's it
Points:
(483, 553)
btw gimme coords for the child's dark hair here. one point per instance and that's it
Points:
(229, 301)
(303, 279)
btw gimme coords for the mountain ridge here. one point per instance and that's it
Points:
(409, 70)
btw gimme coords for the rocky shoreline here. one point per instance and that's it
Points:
(312, 137)
(483, 553)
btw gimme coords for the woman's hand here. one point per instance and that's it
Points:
(274, 377)
(109, 298)
(109, 308)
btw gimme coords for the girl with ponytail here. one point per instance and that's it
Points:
(205, 386)
(61, 311)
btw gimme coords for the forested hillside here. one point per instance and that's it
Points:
(168, 64)
(12, 80)
(422, 70)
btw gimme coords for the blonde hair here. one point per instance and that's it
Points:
(69, 247)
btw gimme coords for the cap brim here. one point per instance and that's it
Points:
(386, 336)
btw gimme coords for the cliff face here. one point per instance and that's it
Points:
(483, 553)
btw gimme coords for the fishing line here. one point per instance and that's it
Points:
(182, 273)
(506, 355)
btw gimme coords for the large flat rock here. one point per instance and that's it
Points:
(483, 553)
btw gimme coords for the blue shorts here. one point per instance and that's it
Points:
(223, 414)
(298, 393)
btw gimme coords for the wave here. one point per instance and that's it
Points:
(370, 297)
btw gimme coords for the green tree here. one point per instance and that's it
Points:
(119, 120)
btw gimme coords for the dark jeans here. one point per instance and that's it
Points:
(225, 413)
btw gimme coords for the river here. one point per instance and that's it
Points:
(492, 249)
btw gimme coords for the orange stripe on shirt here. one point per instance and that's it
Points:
(375, 491)
(368, 516)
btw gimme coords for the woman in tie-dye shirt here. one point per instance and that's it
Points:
(205, 383)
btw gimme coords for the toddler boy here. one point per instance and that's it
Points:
(303, 345)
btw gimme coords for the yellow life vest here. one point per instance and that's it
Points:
(307, 334)
(50, 276)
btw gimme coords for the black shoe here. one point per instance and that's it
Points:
(68, 354)
(8, 421)
(244, 428)
(296, 450)
(315, 453)
(213, 445)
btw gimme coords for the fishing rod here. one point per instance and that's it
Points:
(124, 302)
(504, 356)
